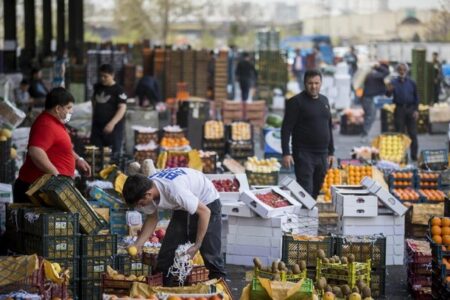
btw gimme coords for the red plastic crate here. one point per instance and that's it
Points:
(123, 287)
(198, 274)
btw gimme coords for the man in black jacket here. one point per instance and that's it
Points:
(307, 118)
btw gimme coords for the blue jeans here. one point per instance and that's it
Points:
(370, 112)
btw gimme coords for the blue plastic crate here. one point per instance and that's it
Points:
(118, 217)
(119, 229)
(106, 199)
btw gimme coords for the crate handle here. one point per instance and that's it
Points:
(235, 209)
(360, 200)
(360, 211)
(302, 194)
(254, 204)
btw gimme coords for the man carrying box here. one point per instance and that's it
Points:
(196, 215)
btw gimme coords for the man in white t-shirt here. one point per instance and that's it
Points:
(196, 215)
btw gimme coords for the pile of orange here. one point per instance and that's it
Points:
(168, 142)
(440, 230)
(406, 194)
(402, 175)
(333, 177)
(357, 173)
(429, 175)
(433, 195)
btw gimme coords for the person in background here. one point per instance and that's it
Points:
(231, 71)
(147, 91)
(38, 91)
(352, 61)
(307, 118)
(373, 86)
(404, 93)
(109, 104)
(298, 68)
(59, 70)
(50, 149)
(437, 67)
(196, 215)
(22, 96)
(245, 75)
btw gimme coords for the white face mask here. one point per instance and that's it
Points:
(67, 118)
(149, 208)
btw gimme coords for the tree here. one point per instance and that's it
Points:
(438, 29)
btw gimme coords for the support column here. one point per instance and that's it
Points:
(76, 30)
(10, 38)
(30, 29)
(60, 26)
(47, 27)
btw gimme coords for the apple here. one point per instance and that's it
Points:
(160, 233)
(154, 239)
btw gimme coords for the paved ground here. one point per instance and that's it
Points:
(396, 285)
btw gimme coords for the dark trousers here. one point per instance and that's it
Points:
(245, 89)
(310, 170)
(19, 190)
(403, 118)
(183, 228)
(113, 140)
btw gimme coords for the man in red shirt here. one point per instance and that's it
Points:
(50, 149)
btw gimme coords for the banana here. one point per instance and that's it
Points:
(51, 273)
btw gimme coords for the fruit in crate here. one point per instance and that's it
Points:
(178, 142)
(392, 148)
(177, 161)
(226, 185)
(406, 194)
(356, 173)
(208, 160)
(440, 231)
(402, 175)
(253, 164)
(428, 176)
(241, 131)
(272, 199)
(433, 195)
(214, 130)
(332, 177)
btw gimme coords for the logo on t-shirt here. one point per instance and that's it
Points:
(102, 98)
(123, 96)
(169, 174)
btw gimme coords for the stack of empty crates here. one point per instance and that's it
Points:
(220, 76)
(173, 65)
(201, 73)
(188, 74)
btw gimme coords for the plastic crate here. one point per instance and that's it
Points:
(294, 251)
(32, 284)
(436, 159)
(240, 149)
(145, 137)
(445, 178)
(421, 293)
(51, 247)
(106, 199)
(67, 197)
(432, 182)
(93, 268)
(349, 273)
(257, 292)
(262, 178)
(415, 280)
(141, 155)
(198, 274)
(46, 222)
(132, 266)
(98, 245)
(90, 290)
(363, 247)
(13, 213)
(118, 217)
(123, 287)
(420, 269)
(417, 259)
(7, 171)
(209, 164)
(402, 179)
(378, 283)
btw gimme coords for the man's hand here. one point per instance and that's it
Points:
(192, 250)
(288, 161)
(416, 115)
(108, 128)
(83, 166)
(330, 161)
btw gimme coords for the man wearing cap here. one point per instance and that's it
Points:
(404, 92)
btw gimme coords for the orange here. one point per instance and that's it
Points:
(436, 230)
(437, 239)
(445, 222)
(446, 240)
(436, 221)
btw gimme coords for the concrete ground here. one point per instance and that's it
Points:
(396, 278)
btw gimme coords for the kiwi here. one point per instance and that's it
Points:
(296, 269)
(290, 272)
(336, 290)
(346, 290)
(366, 292)
(351, 258)
(355, 289)
(332, 261)
(302, 265)
(321, 254)
(274, 266)
(344, 260)
(281, 266)
(322, 284)
(328, 288)
(257, 263)
(326, 261)
(277, 276)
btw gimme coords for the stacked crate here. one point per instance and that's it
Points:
(147, 61)
(53, 235)
(419, 267)
(238, 147)
(221, 76)
(272, 70)
(440, 265)
(129, 79)
(188, 74)
(159, 69)
(365, 248)
(97, 252)
(7, 165)
(173, 68)
(201, 73)
(97, 158)
(423, 74)
(231, 111)
(256, 114)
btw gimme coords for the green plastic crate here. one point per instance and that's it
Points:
(49, 222)
(51, 247)
(98, 245)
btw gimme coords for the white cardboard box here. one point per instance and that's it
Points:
(254, 251)
(298, 192)
(356, 205)
(6, 194)
(266, 211)
(256, 221)
(238, 209)
(249, 240)
(376, 221)
(255, 231)
(354, 189)
(246, 260)
(231, 196)
(387, 198)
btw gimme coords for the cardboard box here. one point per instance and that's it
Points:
(359, 205)
(266, 211)
(255, 231)
(250, 240)
(256, 221)
(298, 192)
(231, 196)
(247, 260)
(238, 209)
(254, 251)
(384, 196)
